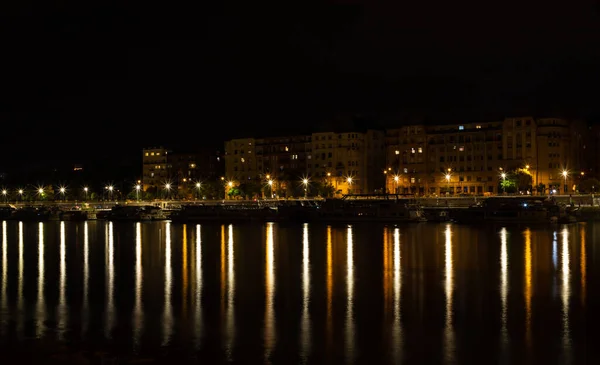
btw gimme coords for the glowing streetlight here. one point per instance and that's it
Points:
(85, 190)
(110, 189)
(396, 179)
(349, 181)
(565, 174)
(270, 182)
(448, 183)
(199, 188)
(305, 183)
(503, 175)
(168, 189)
(5, 193)
(138, 187)
(20, 192)
(62, 191)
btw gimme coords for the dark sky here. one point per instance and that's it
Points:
(100, 80)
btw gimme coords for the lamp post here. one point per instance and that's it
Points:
(349, 181)
(503, 175)
(85, 190)
(110, 189)
(168, 189)
(5, 193)
(565, 174)
(138, 187)
(20, 192)
(305, 183)
(396, 179)
(270, 182)
(62, 191)
(447, 184)
(198, 188)
(229, 185)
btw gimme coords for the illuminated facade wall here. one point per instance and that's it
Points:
(155, 167)
(240, 159)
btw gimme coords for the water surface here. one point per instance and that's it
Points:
(423, 293)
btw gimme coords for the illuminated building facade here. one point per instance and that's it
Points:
(155, 167)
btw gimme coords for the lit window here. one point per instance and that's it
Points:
(152, 154)
(461, 149)
(397, 152)
(420, 150)
(286, 148)
(461, 127)
(146, 153)
(412, 150)
(412, 180)
(478, 126)
(193, 166)
(405, 170)
(158, 153)
(242, 159)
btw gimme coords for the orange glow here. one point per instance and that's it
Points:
(184, 273)
(527, 235)
(582, 266)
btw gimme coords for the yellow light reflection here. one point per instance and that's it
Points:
(110, 280)
(397, 326)
(566, 287)
(86, 278)
(528, 290)
(4, 299)
(222, 270)
(350, 295)
(198, 299)
(230, 293)
(504, 281)
(583, 266)
(305, 322)
(167, 307)
(138, 311)
(387, 271)
(184, 273)
(20, 283)
(449, 286)
(62, 311)
(270, 293)
(329, 287)
(41, 303)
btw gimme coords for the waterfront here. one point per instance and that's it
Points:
(294, 293)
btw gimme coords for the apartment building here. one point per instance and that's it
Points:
(155, 167)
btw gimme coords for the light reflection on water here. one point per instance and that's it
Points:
(307, 291)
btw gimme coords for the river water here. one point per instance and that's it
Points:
(294, 293)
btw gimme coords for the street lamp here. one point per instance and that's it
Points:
(4, 192)
(396, 179)
(20, 192)
(565, 174)
(349, 181)
(138, 187)
(85, 190)
(448, 183)
(62, 191)
(305, 183)
(168, 189)
(270, 182)
(110, 189)
(198, 186)
(503, 175)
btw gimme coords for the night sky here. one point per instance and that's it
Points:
(96, 83)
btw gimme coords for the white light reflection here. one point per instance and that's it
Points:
(554, 249)
(138, 311)
(110, 281)
(62, 310)
(305, 321)
(566, 290)
(168, 308)
(4, 300)
(20, 284)
(504, 282)
(230, 293)
(270, 292)
(397, 326)
(41, 303)
(198, 317)
(86, 279)
(449, 286)
(350, 296)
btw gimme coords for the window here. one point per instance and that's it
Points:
(420, 150)
(397, 152)
(243, 160)
(405, 170)
(461, 127)
(146, 153)
(478, 127)
(461, 148)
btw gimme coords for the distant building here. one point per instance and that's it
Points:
(155, 167)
